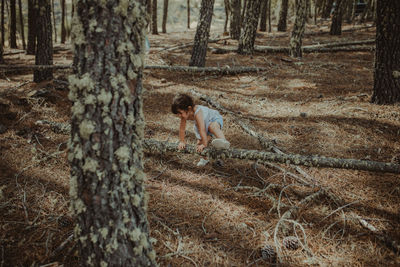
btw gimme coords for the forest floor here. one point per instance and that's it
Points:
(220, 215)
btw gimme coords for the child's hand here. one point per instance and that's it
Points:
(200, 148)
(181, 145)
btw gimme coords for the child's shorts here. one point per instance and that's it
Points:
(217, 117)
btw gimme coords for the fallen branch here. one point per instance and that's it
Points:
(310, 161)
(7, 68)
(219, 70)
(305, 49)
(191, 43)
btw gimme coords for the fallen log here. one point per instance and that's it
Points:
(310, 161)
(191, 43)
(6, 68)
(220, 70)
(305, 49)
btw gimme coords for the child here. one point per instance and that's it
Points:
(208, 122)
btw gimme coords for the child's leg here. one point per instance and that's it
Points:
(215, 129)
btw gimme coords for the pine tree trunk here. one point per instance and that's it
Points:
(202, 33)
(188, 14)
(2, 23)
(107, 126)
(263, 18)
(54, 21)
(165, 16)
(228, 11)
(1, 54)
(63, 32)
(154, 24)
(336, 26)
(298, 29)
(21, 22)
(13, 25)
(250, 23)
(44, 51)
(269, 16)
(31, 49)
(149, 8)
(235, 20)
(283, 15)
(387, 55)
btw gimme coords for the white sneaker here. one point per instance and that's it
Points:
(220, 143)
(202, 162)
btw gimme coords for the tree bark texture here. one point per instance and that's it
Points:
(387, 55)
(63, 32)
(154, 24)
(165, 16)
(336, 26)
(250, 23)
(199, 51)
(21, 22)
(44, 48)
(31, 48)
(263, 17)
(188, 14)
(296, 38)
(283, 16)
(107, 179)
(13, 25)
(235, 19)
(311, 161)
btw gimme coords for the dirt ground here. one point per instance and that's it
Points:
(220, 215)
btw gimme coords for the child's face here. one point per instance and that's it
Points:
(183, 114)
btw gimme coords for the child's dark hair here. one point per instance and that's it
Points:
(182, 102)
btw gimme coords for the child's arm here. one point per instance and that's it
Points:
(202, 130)
(182, 129)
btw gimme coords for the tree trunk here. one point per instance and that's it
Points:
(1, 54)
(2, 23)
(154, 24)
(32, 18)
(235, 20)
(13, 25)
(283, 15)
(54, 21)
(263, 18)
(269, 16)
(63, 32)
(336, 26)
(188, 14)
(44, 49)
(327, 9)
(107, 188)
(202, 33)
(21, 22)
(298, 29)
(250, 23)
(228, 11)
(165, 16)
(387, 55)
(149, 8)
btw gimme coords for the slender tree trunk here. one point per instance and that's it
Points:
(250, 23)
(44, 51)
(32, 18)
(107, 188)
(228, 11)
(188, 14)
(336, 26)
(243, 12)
(202, 34)
(165, 16)
(269, 16)
(63, 32)
(2, 23)
(149, 8)
(21, 22)
(235, 20)
(13, 25)
(1, 54)
(283, 15)
(387, 55)
(154, 24)
(298, 28)
(263, 18)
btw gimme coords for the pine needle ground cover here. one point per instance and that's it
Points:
(241, 213)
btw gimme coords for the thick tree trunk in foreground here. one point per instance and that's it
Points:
(311, 161)
(199, 51)
(296, 39)
(44, 49)
(387, 57)
(283, 15)
(336, 26)
(250, 23)
(235, 20)
(107, 179)
(31, 48)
